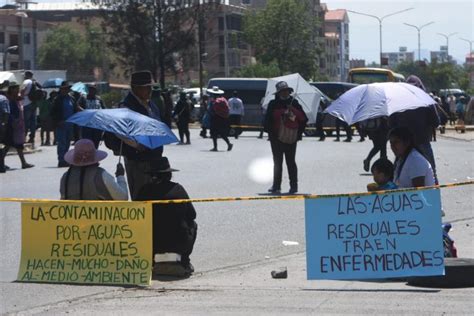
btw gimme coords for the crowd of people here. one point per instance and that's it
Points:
(148, 172)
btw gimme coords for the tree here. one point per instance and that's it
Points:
(259, 70)
(150, 34)
(65, 48)
(284, 33)
(436, 75)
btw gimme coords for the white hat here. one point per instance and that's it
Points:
(215, 90)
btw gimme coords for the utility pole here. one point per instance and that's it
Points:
(419, 28)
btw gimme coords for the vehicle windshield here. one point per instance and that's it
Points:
(363, 78)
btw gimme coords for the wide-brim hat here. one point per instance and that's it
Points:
(84, 154)
(142, 78)
(160, 165)
(4, 85)
(282, 85)
(65, 84)
(215, 90)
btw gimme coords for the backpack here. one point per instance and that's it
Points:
(33, 95)
(221, 108)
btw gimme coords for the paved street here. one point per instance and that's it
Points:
(239, 243)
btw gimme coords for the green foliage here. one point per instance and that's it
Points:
(112, 98)
(283, 33)
(436, 75)
(65, 48)
(259, 70)
(151, 35)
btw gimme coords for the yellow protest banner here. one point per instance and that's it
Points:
(86, 243)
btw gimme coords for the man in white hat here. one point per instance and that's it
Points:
(85, 180)
(219, 112)
(285, 122)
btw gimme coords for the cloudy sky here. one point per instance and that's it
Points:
(449, 16)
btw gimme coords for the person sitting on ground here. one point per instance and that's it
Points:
(174, 226)
(85, 180)
(412, 169)
(382, 170)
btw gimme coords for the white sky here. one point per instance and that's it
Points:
(449, 16)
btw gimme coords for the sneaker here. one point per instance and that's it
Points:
(293, 190)
(274, 190)
(171, 269)
(63, 164)
(27, 165)
(347, 140)
(337, 140)
(229, 148)
(213, 149)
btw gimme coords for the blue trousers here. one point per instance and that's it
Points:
(63, 138)
(29, 114)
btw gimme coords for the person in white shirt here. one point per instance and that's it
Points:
(235, 113)
(29, 107)
(85, 180)
(412, 169)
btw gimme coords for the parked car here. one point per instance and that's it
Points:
(332, 90)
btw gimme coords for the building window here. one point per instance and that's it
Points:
(26, 38)
(221, 23)
(221, 60)
(2, 37)
(13, 39)
(14, 65)
(27, 64)
(221, 42)
(246, 2)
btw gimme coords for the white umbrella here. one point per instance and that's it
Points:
(307, 95)
(378, 99)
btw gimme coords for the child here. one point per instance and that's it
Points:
(382, 170)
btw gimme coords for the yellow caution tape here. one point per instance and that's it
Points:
(252, 198)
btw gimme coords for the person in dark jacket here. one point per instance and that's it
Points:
(219, 117)
(91, 101)
(174, 226)
(63, 107)
(182, 115)
(377, 131)
(137, 157)
(285, 122)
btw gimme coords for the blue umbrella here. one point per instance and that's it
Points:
(127, 123)
(52, 83)
(80, 87)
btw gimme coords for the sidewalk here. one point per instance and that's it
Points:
(453, 134)
(250, 290)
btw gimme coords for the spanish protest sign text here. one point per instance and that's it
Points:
(374, 236)
(96, 243)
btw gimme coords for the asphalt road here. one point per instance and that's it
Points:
(231, 234)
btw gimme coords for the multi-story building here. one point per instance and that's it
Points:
(20, 38)
(357, 63)
(395, 58)
(440, 56)
(336, 24)
(331, 64)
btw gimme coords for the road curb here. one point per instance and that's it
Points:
(459, 272)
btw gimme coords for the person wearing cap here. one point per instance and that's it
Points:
(15, 134)
(174, 226)
(137, 157)
(63, 107)
(85, 180)
(219, 117)
(285, 122)
(29, 104)
(91, 101)
(182, 115)
(236, 112)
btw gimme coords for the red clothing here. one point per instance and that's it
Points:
(299, 118)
